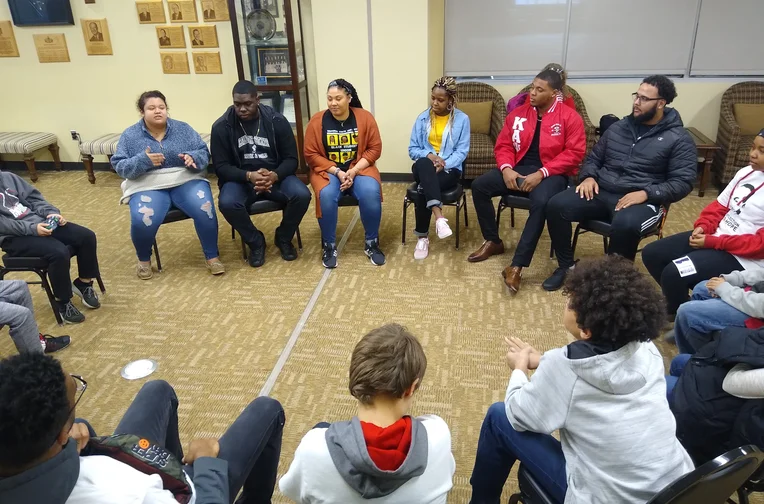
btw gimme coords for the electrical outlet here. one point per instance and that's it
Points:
(75, 135)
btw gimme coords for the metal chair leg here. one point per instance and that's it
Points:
(100, 284)
(43, 274)
(403, 221)
(243, 250)
(551, 251)
(299, 239)
(512, 216)
(575, 238)
(464, 206)
(458, 209)
(499, 209)
(516, 498)
(233, 233)
(604, 243)
(156, 254)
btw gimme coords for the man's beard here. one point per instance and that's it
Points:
(645, 116)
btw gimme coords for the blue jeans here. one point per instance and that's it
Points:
(499, 446)
(369, 195)
(698, 318)
(148, 210)
(675, 371)
(251, 445)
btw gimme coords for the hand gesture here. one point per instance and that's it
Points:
(43, 230)
(518, 345)
(714, 284)
(588, 188)
(510, 179)
(348, 182)
(205, 447)
(156, 159)
(698, 231)
(79, 432)
(531, 181)
(438, 161)
(61, 220)
(188, 161)
(698, 242)
(267, 180)
(633, 198)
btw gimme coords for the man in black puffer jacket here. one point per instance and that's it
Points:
(642, 163)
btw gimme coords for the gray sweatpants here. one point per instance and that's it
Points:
(17, 312)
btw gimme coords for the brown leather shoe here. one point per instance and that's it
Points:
(512, 277)
(486, 250)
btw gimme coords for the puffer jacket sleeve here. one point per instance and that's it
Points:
(682, 172)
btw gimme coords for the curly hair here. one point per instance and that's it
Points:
(141, 103)
(666, 88)
(34, 407)
(614, 301)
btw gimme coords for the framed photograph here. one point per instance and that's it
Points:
(203, 36)
(97, 39)
(41, 12)
(273, 62)
(271, 6)
(287, 108)
(171, 37)
(182, 11)
(174, 62)
(215, 10)
(8, 46)
(207, 63)
(150, 12)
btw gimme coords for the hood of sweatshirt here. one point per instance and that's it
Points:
(618, 372)
(50, 482)
(347, 448)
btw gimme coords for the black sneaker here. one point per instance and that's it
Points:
(288, 252)
(556, 281)
(374, 253)
(86, 293)
(52, 344)
(70, 313)
(329, 257)
(257, 252)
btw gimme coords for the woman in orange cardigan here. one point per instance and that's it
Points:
(341, 146)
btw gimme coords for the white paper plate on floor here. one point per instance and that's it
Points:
(139, 369)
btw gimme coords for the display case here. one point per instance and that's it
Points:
(268, 44)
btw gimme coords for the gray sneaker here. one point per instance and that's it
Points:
(87, 294)
(70, 313)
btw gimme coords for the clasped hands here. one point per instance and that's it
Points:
(698, 238)
(346, 178)
(262, 179)
(531, 181)
(520, 355)
(438, 161)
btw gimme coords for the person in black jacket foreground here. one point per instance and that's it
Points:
(641, 164)
(255, 157)
(48, 456)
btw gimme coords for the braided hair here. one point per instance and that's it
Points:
(447, 84)
(558, 69)
(349, 90)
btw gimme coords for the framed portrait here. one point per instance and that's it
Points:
(203, 36)
(150, 12)
(97, 38)
(174, 62)
(171, 37)
(272, 6)
(182, 11)
(273, 62)
(215, 10)
(41, 12)
(207, 63)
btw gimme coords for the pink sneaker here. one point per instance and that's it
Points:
(422, 248)
(442, 228)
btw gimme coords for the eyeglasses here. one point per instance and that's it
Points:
(643, 99)
(82, 386)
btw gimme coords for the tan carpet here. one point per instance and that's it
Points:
(217, 339)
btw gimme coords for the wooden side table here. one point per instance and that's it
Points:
(706, 149)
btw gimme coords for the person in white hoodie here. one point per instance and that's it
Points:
(382, 455)
(605, 393)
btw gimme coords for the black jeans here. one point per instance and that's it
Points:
(54, 249)
(251, 445)
(432, 183)
(236, 198)
(491, 184)
(626, 225)
(709, 263)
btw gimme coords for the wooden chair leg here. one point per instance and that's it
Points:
(29, 160)
(53, 148)
(156, 254)
(403, 222)
(87, 161)
(43, 274)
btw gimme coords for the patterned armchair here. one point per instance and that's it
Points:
(734, 146)
(480, 158)
(581, 109)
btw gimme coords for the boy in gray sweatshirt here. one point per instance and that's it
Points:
(605, 393)
(732, 300)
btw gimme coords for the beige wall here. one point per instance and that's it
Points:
(96, 94)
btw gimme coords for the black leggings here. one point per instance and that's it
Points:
(432, 183)
(709, 263)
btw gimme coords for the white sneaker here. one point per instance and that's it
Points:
(442, 228)
(422, 248)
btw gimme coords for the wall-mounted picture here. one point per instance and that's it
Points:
(97, 39)
(41, 12)
(182, 11)
(203, 36)
(207, 63)
(273, 61)
(51, 48)
(271, 6)
(150, 12)
(8, 46)
(171, 37)
(215, 10)
(174, 62)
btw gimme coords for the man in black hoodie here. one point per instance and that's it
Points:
(642, 163)
(255, 157)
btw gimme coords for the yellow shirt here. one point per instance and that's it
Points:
(436, 132)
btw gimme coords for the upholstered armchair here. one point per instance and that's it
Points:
(480, 158)
(733, 138)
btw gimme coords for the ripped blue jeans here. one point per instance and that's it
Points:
(148, 209)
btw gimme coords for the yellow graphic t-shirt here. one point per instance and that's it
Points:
(436, 132)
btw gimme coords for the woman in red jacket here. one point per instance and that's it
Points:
(728, 236)
(541, 144)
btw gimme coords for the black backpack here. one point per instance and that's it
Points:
(605, 122)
